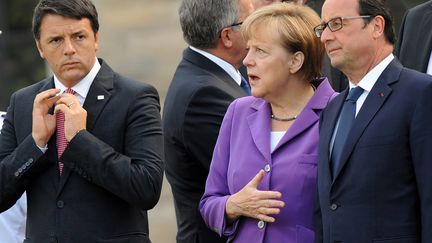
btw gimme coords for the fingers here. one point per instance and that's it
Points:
(67, 101)
(257, 179)
(75, 115)
(46, 99)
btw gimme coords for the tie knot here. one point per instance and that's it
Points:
(70, 91)
(354, 94)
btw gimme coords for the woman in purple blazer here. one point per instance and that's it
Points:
(262, 181)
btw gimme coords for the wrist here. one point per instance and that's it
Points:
(41, 143)
(230, 213)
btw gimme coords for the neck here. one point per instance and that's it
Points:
(293, 101)
(357, 74)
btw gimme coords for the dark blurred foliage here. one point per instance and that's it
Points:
(20, 64)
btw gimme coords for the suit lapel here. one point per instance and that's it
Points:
(98, 96)
(306, 118)
(374, 101)
(259, 126)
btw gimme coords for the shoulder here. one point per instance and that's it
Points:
(32, 90)
(122, 84)
(414, 78)
(245, 105)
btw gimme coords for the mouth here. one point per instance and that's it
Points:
(71, 63)
(332, 50)
(253, 79)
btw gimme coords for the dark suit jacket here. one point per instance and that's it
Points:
(383, 190)
(197, 99)
(113, 170)
(415, 38)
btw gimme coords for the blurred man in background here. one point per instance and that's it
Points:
(414, 46)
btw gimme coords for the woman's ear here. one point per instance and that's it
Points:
(296, 62)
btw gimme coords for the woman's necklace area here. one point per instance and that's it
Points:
(287, 119)
(283, 119)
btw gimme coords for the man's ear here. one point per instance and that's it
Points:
(39, 47)
(378, 23)
(226, 37)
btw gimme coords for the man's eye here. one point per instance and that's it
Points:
(55, 40)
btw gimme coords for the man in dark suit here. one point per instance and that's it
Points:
(414, 46)
(206, 81)
(110, 173)
(374, 168)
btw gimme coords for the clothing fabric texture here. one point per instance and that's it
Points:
(382, 192)
(243, 148)
(13, 220)
(197, 99)
(414, 44)
(112, 171)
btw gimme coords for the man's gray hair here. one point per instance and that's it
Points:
(202, 20)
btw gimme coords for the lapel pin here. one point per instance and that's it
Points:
(381, 94)
(100, 97)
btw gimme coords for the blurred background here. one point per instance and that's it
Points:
(141, 39)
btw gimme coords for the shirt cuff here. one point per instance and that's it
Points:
(43, 149)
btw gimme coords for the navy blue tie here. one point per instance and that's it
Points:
(346, 119)
(245, 86)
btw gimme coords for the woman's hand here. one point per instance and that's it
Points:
(254, 203)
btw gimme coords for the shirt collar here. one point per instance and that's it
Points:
(83, 86)
(228, 68)
(369, 80)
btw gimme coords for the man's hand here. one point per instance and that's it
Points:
(44, 124)
(75, 115)
(254, 203)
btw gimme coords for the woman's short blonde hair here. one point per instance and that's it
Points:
(294, 25)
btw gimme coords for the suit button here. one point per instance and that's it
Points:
(261, 224)
(60, 204)
(53, 239)
(334, 206)
(16, 174)
(30, 160)
(267, 168)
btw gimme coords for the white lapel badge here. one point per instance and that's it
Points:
(100, 97)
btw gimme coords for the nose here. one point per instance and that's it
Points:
(326, 35)
(69, 48)
(248, 60)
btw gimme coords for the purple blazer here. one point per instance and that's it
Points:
(243, 148)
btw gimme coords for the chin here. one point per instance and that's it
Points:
(73, 77)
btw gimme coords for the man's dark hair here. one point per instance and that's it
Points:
(76, 9)
(379, 8)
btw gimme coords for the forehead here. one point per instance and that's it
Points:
(339, 8)
(52, 24)
(245, 8)
(261, 34)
